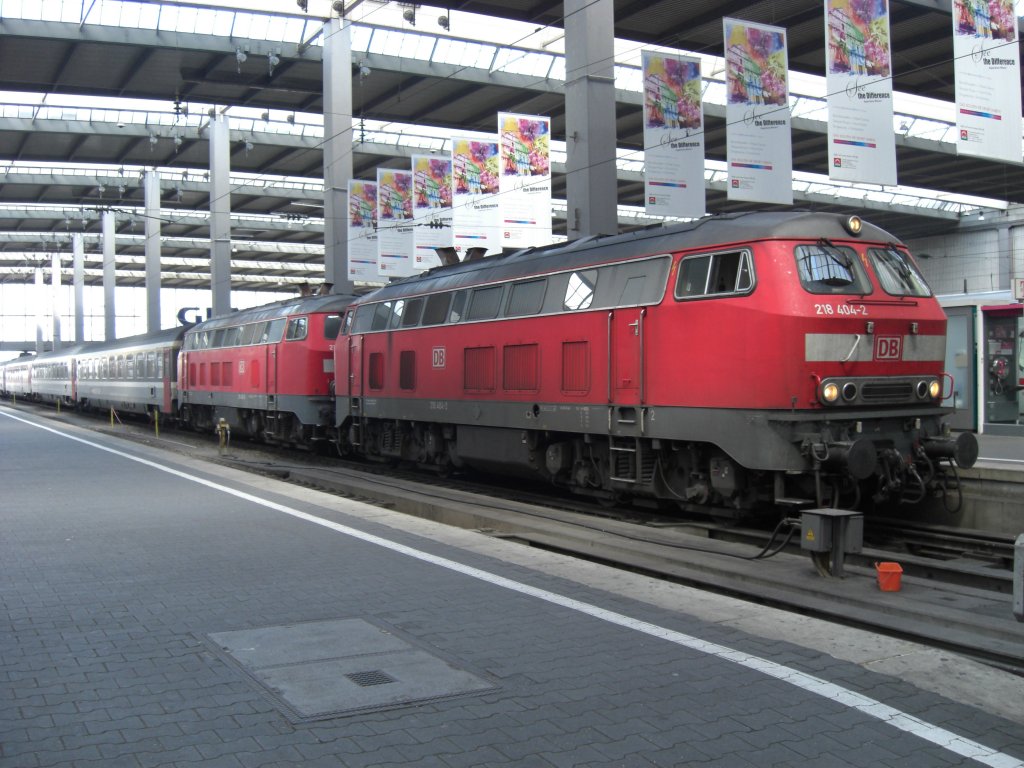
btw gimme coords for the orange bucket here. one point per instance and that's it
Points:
(889, 576)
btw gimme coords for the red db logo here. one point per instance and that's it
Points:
(888, 348)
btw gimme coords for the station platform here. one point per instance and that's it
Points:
(165, 611)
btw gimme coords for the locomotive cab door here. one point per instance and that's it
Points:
(626, 356)
(354, 388)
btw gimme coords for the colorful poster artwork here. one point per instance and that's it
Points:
(476, 218)
(673, 136)
(524, 156)
(432, 209)
(987, 74)
(759, 142)
(862, 144)
(362, 231)
(394, 223)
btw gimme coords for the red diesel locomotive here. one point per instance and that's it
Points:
(735, 360)
(268, 371)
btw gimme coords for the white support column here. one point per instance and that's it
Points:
(109, 278)
(220, 214)
(337, 151)
(39, 302)
(55, 299)
(591, 185)
(152, 201)
(78, 280)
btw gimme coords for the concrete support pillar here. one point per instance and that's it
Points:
(55, 299)
(591, 187)
(78, 280)
(220, 214)
(39, 302)
(109, 313)
(337, 149)
(152, 202)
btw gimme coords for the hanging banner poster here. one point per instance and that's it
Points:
(986, 68)
(759, 143)
(673, 136)
(525, 181)
(476, 218)
(394, 223)
(861, 142)
(362, 231)
(431, 209)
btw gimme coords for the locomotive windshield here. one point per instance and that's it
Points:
(827, 268)
(897, 273)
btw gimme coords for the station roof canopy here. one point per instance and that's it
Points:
(95, 93)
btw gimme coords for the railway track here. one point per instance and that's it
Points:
(956, 584)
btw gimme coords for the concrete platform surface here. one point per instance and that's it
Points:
(164, 612)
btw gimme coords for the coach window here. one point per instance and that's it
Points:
(397, 312)
(579, 294)
(526, 298)
(275, 330)
(297, 328)
(381, 316)
(458, 307)
(828, 269)
(413, 311)
(436, 310)
(485, 303)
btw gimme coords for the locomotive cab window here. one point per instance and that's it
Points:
(829, 269)
(298, 327)
(714, 274)
(332, 324)
(897, 273)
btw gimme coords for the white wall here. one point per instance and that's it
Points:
(967, 262)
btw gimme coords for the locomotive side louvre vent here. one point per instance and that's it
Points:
(324, 669)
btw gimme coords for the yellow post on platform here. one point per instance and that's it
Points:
(111, 417)
(223, 435)
(156, 421)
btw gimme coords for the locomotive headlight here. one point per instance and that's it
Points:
(934, 389)
(853, 225)
(927, 389)
(849, 391)
(830, 392)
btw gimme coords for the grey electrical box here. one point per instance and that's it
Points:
(1018, 578)
(819, 528)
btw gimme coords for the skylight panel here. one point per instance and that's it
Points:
(519, 62)
(628, 78)
(462, 53)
